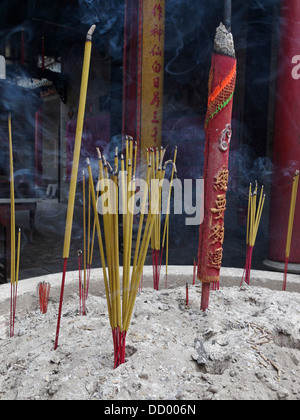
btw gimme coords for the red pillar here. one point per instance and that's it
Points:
(286, 149)
(130, 67)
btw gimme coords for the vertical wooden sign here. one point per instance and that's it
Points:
(152, 73)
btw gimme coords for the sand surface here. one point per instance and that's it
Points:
(247, 346)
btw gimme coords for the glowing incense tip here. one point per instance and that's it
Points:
(90, 33)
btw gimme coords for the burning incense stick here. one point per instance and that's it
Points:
(75, 166)
(290, 226)
(253, 222)
(14, 269)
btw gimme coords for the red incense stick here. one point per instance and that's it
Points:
(187, 294)
(194, 272)
(44, 293)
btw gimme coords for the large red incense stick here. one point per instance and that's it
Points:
(218, 135)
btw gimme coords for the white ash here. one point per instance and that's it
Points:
(173, 352)
(224, 43)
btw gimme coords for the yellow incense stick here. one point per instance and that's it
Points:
(78, 138)
(136, 279)
(99, 239)
(292, 214)
(18, 257)
(169, 197)
(143, 208)
(12, 204)
(248, 215)
(254, 214)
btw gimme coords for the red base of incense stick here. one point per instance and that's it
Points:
(194, 272)
(82, 291)
(61, 302)
(205, 296)
(247, 269)
(44, 293)
(13, 305)
(187, 295)
(156, 268)
(215, 286)
(119, 339)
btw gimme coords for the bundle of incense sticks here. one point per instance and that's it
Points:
(290, 226)
(44, 294)
(253, 222)
(113, 183)
(15, 264)
(158, 241)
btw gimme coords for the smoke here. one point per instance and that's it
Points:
(109, 18)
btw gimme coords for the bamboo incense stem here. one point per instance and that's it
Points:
(187, 294)
(75, 166)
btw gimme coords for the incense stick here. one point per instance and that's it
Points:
(290, 226)
(44, 293)
(75, 166)
(253, 222)
(14, 269)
